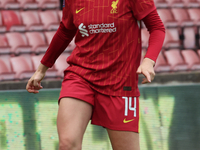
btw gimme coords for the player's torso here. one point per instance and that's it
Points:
(103, 26)
(108, 43)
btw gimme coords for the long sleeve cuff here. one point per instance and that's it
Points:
(157, 34)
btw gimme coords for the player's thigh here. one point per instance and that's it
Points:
(124, 140)
(73, 117)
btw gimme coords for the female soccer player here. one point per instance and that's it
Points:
(101, 83)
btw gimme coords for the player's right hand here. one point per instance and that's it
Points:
(34, 83)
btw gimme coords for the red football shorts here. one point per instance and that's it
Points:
(112, 112)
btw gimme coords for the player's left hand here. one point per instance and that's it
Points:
(146, 68)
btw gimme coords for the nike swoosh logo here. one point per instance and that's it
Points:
(127, 121)
(77, 11)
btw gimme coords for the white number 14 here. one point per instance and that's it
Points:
(128, 105)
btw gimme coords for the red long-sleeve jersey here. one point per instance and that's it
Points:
(108, 43)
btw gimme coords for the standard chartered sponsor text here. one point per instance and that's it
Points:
(102, 28)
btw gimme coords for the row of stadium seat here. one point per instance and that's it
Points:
(173, 38)
(12, 20)
(178, 60)
(177, 3)
(22, 67)
(33, 36)
(181, 17)
(29, 4)
(184, 25)
(52, 4)
(37, 42)
(21, 21)
(29, 42)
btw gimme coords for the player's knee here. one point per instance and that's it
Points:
(69, 144)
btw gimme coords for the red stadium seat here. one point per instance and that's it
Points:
(48, 4)
(194, 15)
(18, 42)
(51, 72)
(32, 20)
(11, 19)
(22, 67)
(175, 59)
(28, 4)
(189, 32)
(37, 41)
(145, 38)
(176, 3)
(50, 19)
(9, 4)
(171, 39)
(6, 60)
(192, 59)
(5, 73)
(71, 46)
(181, 15)
(36, 60)
(167, 17)
(183, 3)
(2, 27)
(198, 51)
(49, 35)
(161, 64)
(61, 64)
(191, 3)
(143, 53)
(189, 41)
(161, 3)
(60, 14)
(4, 47)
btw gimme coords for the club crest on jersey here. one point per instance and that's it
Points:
(63, 3)
(114, 7)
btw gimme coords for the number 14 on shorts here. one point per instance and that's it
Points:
(128, 105)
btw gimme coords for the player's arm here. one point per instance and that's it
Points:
(58, 44)
(62, 38)
(60, 41)
(157, 33)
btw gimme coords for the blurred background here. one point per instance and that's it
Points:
(169, 106)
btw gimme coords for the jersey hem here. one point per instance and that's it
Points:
(137, 92)
(131, 95)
